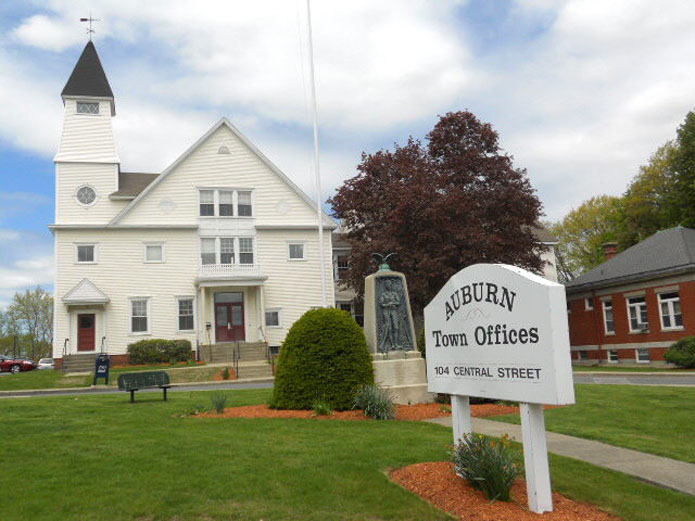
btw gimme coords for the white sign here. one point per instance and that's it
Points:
(500, 332)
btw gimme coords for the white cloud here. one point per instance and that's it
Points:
(581, 104)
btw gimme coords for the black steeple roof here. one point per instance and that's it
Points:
(88, 77)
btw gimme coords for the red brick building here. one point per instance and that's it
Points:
(632, 307)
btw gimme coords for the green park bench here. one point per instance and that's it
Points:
(137, 381)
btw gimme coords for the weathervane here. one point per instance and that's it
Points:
(90, 31)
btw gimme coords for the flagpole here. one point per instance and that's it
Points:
(319, 219)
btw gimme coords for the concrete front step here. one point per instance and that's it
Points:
(79, 363)
(224, 352)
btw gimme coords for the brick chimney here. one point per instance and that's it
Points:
(610, 250)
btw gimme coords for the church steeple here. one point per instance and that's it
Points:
(88, 78)
(89, 107)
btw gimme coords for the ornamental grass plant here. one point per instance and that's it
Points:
(219, 402)
(488, 464)
(376, 402)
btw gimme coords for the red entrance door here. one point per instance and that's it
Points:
(229, 321)
(85, 332)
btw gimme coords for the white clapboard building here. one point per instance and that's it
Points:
(219, 247)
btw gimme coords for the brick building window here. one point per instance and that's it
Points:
(670, 311)
(588, 304)
(613, 355)
(642, 356)
(608, 323)
(637, 314)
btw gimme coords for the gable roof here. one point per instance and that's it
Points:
(664, 253)
(130, 184)
(88, 77)
(85, 292)
(226, 123)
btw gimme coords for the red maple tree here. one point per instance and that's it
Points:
(441, 207)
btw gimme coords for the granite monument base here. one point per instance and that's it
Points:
(404, 374)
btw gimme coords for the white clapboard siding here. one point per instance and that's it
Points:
(101, 177)
(292, 286)
(87, 137)
(205, 167)
(121, 273)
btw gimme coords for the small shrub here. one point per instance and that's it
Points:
(443, 398)
(445, 408)
(324, 354)
(159, 351)
(219, 401)
(682, 353)
(194, 409)
(376, 402)
(225, 374)
(487, 464)
(321, 408)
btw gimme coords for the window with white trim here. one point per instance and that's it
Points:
(670, 310)
(208, 253)
(86, 253)
(589, 304)
(341, 267)
(272, 318)
(613, 355)
(608, 322)
(245, 250)
(225, 203)
(86, 195)
(87, 107)
(207, 203)
(642, 356)
(296, 251)
(245, 208)
(154, 252)
(139, 315)
(226, 250)
(637, 314)
(185, 309)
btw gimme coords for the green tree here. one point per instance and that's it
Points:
(647, 205)
(582, 233)
(683, 165)
(31, 314)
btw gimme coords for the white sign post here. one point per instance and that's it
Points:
(500, 332)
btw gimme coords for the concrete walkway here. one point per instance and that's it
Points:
(664, 472)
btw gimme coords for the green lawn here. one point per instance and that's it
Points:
(658, 420)
(102, 458)
(623, 369)
(58, 379)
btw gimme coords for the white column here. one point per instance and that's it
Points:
(461, 416)
(540, 497)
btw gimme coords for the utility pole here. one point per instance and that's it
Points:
(319, 216)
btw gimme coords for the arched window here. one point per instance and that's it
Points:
(223, 150)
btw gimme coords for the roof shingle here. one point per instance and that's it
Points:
(665, 252)
(88, 77)
(130, 184)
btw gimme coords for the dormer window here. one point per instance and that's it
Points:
(87, 107)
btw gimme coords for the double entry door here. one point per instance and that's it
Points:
(229, 317)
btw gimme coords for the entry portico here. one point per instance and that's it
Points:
(231, 304)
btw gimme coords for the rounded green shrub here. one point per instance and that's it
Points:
(682, 353)
(324, 357)
(159, 351)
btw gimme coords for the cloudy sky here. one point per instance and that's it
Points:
(581, 91)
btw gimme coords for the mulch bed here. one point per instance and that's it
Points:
(436, 483)
(421, 411)
(219, 378)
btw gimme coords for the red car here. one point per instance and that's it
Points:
(16, 365)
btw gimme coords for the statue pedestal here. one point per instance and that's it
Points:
(404, 374)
